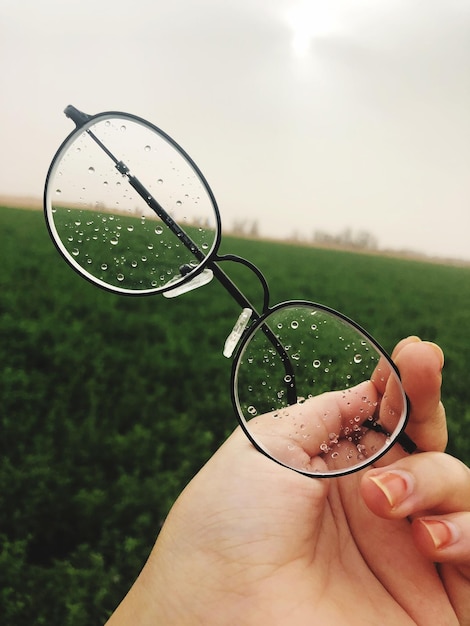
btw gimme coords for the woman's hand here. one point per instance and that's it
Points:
(250, 542)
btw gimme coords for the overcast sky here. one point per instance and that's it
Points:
(303, 115)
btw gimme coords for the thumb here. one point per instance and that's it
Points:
(248, 508)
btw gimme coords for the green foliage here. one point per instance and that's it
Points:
(111, 404)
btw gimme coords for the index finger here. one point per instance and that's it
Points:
(420, 365)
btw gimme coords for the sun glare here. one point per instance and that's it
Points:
(310, 20)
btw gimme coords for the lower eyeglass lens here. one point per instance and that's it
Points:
(316, 394)
(105, 228)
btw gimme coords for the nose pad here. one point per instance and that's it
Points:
(199, 280)
(237, 332)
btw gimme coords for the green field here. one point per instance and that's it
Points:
(111, 403)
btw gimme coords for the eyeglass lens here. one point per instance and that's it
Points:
(321, 433)
(105, 229)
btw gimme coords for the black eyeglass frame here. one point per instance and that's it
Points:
(211, 261)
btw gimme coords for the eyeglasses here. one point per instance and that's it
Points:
(131, 212)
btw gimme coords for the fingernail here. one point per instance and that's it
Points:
(437, 349)
(443, 534)
(396, 486)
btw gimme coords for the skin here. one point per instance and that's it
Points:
(250, 542)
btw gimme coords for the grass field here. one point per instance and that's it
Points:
(110, 403)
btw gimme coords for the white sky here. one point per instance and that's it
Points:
(303, 115)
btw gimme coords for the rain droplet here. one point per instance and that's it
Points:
(252, 410)
(75, 252)
(357, 358)
(58, 191)
(120, 277)
(147, 148)
(123, 128)
(130, 228)
(158, 230)
(316, 363)
(294, 324)
(313, 327)
(178, 203)
(91, 170)
(324, 447)
(114, 241)
(287, 378)
(104, 267)
(160, 181)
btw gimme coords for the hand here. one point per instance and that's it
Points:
(250, 542)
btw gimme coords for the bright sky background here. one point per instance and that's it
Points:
(303, 115)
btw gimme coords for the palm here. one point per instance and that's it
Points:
(300, 562)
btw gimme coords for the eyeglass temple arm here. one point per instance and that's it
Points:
(80, 119)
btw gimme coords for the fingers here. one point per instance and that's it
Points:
(434, 490)
(420, 364)
(300, 434)
(445, 539)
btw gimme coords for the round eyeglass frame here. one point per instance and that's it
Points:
(211, 261)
